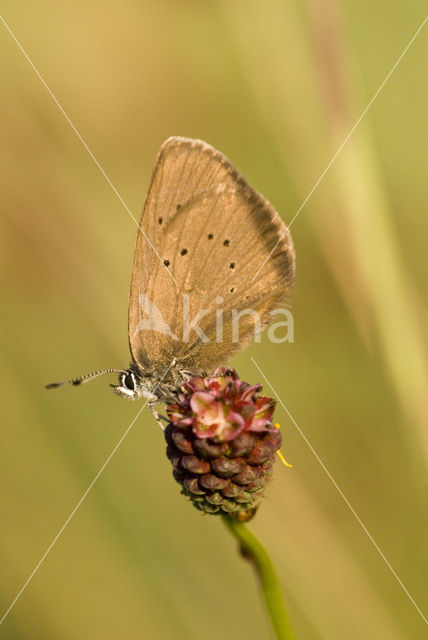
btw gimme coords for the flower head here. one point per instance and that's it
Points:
(222, 442)
(221, 407)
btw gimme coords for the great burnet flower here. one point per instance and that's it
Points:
(222, 443)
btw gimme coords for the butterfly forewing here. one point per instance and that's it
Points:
(203, 235)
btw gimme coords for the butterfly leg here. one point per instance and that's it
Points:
(186, 374)
(157, 416)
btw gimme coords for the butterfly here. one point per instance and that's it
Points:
(204, 233)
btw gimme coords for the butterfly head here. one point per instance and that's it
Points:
(133, 386)
(133, 383)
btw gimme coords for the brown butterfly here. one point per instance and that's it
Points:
(203, 235)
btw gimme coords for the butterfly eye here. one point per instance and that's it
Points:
(129, 381)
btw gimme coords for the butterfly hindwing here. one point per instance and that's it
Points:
(204, 233)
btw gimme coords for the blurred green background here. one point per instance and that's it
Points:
(276, 86)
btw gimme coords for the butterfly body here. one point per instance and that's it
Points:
(154, 383)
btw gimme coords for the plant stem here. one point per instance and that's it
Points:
(253, 551)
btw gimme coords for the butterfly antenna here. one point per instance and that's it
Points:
(83, 379)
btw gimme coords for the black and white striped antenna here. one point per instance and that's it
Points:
(83, 379)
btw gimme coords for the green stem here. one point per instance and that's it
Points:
(253, 551)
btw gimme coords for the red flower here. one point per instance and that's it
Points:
(221, 407)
